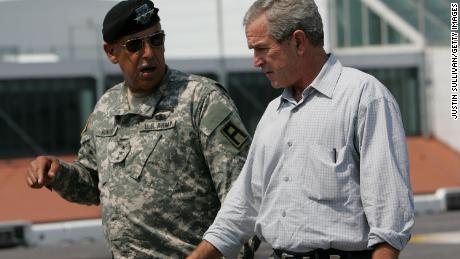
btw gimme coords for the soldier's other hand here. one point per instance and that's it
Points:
(42, 171)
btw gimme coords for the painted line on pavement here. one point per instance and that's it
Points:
(437, 238)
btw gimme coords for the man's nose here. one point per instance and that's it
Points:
(257, 61)
(147, 49)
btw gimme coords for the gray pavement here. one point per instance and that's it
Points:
(426, 245)
(429, 241)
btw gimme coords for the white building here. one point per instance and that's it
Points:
(52, 65)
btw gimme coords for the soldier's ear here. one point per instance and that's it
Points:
(110, 52)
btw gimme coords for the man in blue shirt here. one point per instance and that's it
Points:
(327, 174)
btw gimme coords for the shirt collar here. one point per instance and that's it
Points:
(327, 78)
(147, 107)
(324, 82)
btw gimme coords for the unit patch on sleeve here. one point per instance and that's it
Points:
(236, 136)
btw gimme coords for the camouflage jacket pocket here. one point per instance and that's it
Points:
(142, 147)
(166, 163)
(105, 139)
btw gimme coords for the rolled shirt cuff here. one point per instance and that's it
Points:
(395, 239)
(224, 245)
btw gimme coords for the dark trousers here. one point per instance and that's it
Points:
(323, 254)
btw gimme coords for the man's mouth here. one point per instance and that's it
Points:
(147, 70)
(265, 71)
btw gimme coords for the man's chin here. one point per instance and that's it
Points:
(276, 85)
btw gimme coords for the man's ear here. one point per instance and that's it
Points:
(110, 52)
(300, 41)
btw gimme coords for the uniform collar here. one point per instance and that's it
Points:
(147, 107)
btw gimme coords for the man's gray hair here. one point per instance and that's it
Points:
(286, 16)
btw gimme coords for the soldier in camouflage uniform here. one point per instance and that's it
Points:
(159, 151)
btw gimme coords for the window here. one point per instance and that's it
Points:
(357, 25)
(43, 115)
(403, 84)
(251, 92)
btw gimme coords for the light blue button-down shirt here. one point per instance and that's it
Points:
(329, 171)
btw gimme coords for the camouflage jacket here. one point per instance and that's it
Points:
(161, 170)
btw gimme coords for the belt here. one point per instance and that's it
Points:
(323, 254)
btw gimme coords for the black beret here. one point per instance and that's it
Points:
(128, 17)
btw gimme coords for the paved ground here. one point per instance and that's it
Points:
(435, 236)
(433, 165)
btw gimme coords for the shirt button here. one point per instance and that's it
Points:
(286, 178)
(284, 213)
(289, 143)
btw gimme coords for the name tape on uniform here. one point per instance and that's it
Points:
(158, 125)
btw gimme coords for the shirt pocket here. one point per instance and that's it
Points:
(142, 147)
(324, 178)
(105, 139)
(166, 165)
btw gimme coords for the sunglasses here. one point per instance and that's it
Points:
(155, 40)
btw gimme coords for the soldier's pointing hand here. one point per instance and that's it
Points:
(42, 171)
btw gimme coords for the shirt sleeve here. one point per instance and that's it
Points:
(235, 222)
(236, 219)
(225, 143)
(78, 182)
(384, 173)
(224, 139)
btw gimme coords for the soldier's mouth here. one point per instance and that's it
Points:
(147, 71)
